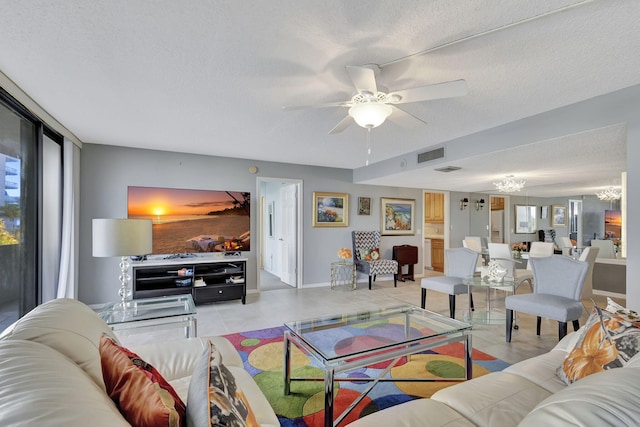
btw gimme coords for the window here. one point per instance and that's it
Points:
(21, 148)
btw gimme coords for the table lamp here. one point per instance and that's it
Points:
(123, 238)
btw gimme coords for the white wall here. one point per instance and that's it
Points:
(107, 171)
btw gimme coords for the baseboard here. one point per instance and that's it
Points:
(609, 294)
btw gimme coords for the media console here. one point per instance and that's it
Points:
(206, 279)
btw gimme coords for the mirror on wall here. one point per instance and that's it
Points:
(497, 219)
(525, 219)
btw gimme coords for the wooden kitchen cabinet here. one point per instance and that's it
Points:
(434, 207)
(437, 255)
(497, 203)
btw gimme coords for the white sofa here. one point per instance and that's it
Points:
(51, 375)
(529, 394)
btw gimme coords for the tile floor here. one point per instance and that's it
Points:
(274, 307)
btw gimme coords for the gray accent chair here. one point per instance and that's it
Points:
(556, 294)
(459, 264)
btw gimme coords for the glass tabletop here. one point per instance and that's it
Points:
(147, 309)
(484, 281)
(398, 325)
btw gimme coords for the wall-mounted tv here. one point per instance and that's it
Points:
(193, 221)
(613, 224)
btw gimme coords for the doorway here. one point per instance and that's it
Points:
(575, 222)
(279, 224)
(499, 219)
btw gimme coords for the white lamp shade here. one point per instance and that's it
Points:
(370, 114)
(121, 237)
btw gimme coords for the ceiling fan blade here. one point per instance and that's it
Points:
(344, 123)
(426, 93)
(364, 79)
(325, 105)
(404, 119)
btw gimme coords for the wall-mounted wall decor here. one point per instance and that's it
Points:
(186, 220)
(330, 209)
(525, 219)
(364, 205)
(558, 215)
(544, 212)
(396, 216)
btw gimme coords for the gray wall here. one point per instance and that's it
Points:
(107, 171)
(475, 222)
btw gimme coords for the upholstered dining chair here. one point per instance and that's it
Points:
(475, 244)
(606, 248)
(366, 256)
(566, 245)
(459, 264)
(501, 251)
(559, 281)
(588, 255)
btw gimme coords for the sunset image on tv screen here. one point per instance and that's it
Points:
(188, 221)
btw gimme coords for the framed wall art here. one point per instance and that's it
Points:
(397, 216)
(544, 212)
(525, 219)
(364, 205)
(558, 215)
(330, 209)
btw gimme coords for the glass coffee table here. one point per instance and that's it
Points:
(417, 330)
(151, 313)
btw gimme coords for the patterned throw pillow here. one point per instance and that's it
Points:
(142, 395)
(608, 340)
(214, 398)
(369, 254)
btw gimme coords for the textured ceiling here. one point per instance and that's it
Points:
(211, 77)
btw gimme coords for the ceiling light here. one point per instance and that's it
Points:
(609, 194)
(509, 184)
(371, 114)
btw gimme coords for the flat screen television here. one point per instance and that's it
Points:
(613, 224)
(193, 221)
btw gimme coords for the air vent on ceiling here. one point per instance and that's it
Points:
(449, 169)
(438, 153)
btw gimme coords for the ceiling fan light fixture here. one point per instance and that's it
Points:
(370, 115)
(509, 184)
(609, 194)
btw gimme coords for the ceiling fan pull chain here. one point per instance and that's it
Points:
(368, 144)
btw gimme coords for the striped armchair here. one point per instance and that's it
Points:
(365, 246)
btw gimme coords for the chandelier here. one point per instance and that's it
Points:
(608, 194)
(509, 184)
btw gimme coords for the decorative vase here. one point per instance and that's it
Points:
(496, 272)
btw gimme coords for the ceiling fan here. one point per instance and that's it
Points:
(370, 107)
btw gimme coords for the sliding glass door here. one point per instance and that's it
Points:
(30, 210)
(18, 215)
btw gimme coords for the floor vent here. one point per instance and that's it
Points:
(427, 156)
(449, 169)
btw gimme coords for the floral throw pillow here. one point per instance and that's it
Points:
(214, 398)
(370, 254)
(609, 340)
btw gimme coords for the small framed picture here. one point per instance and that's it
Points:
(330, 209)
(544, 212)
(397, 216)
(558, 215)
(364, 205)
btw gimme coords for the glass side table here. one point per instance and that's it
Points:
(490, 315)
(343, 273)
(151, 313)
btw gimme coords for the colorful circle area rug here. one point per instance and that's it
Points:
(263, 354)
